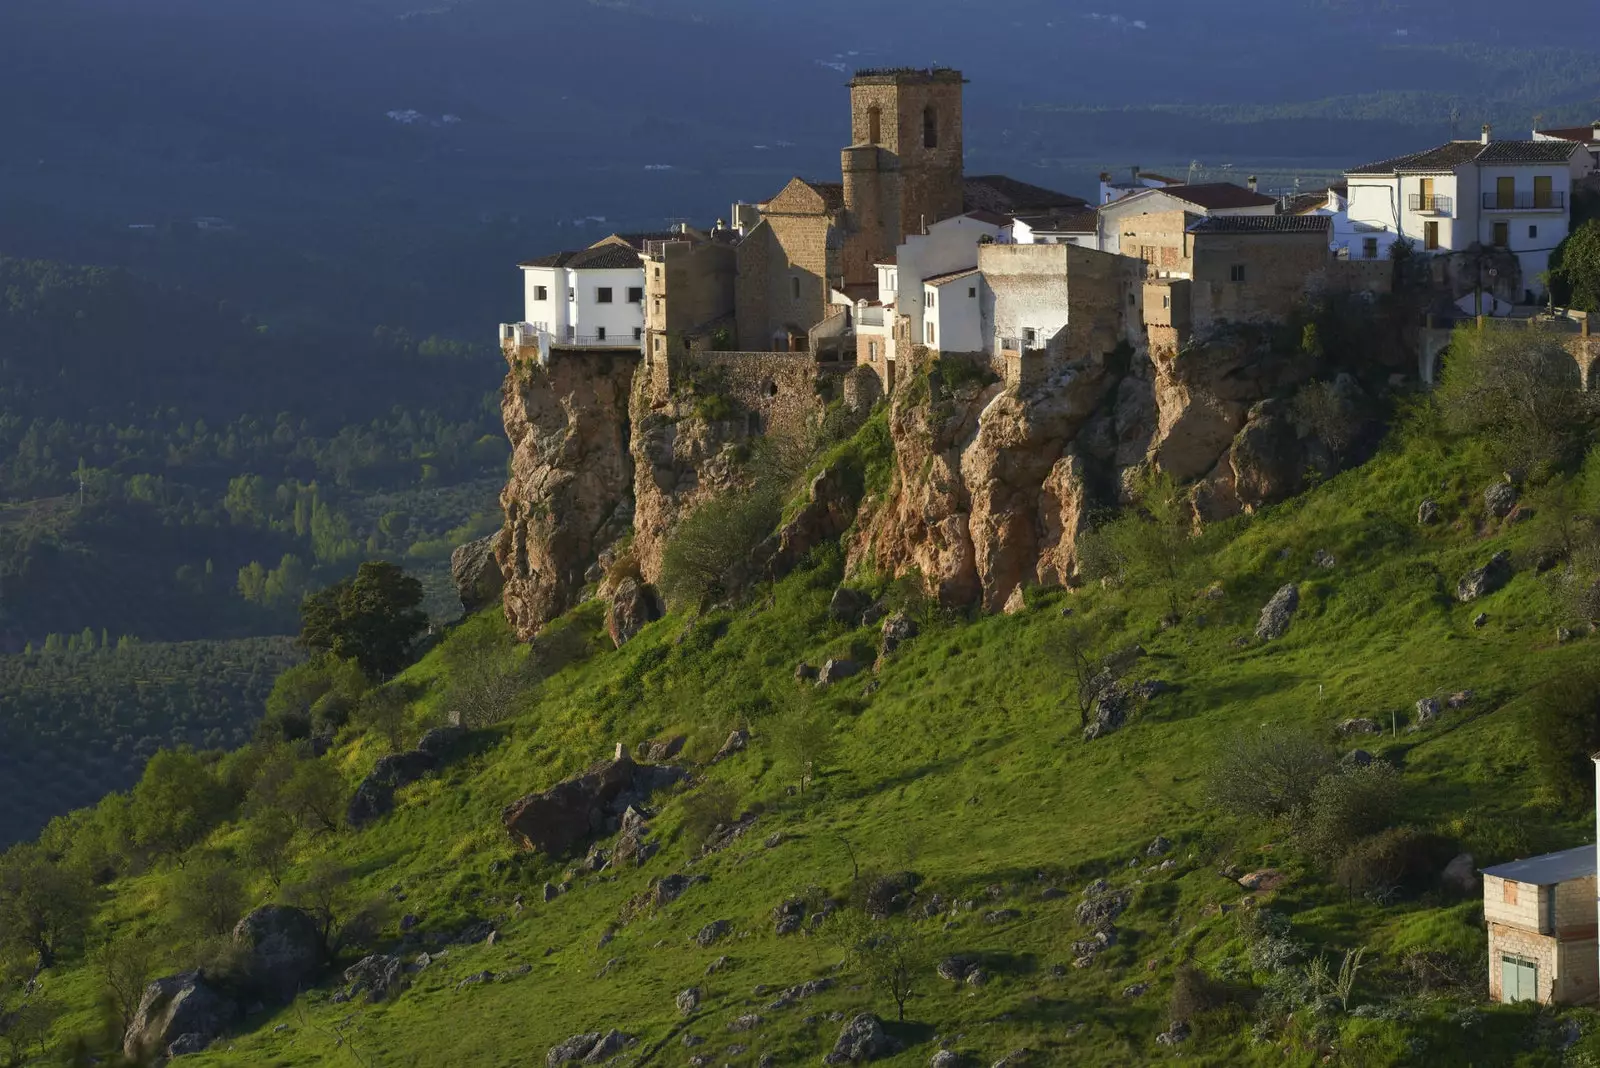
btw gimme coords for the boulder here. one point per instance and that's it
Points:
(1110, 712)
(1461, 875)
(847, 605)
(945, 1059)
(1278, 613)
(564, 817)
(897, 630)
(440, 741)
(837, 670)
(862, 1039)
(1482, 581)
(575, 1048)
(374, 798)
(1262, 881)
(377, 975)
(1427, 711)
(634, 606)
(1459, 699)
(1100, 906)
(1159, 847)
(1499, 499)
(285, 949)
(1358, 758)
(1324, 559)
(611, 1043)
(661, 752)
(955, 969)
(712, 933)
(187, 1044)
(1016, 601)
(1427, 513)
(477, 575)
(735, 744)
(748, 1022)
(804, 672)
(183, 1007)
(688, 1001)
(1359, 725)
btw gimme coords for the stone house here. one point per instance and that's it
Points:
(1204, 199)
(1542, 931)
(689, 289)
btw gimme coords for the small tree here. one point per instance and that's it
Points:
(44, 906)
(803, 742)
(315, 794)
(1347, 806)
(343, 918)
(1321, 408)
(176, 803)
(1575, 267)
(207, 896)
(708, 554)
(1153, 544)
(1268, 774)
(892, 955)
(373, 619)
(126, 966)
(1078, 645)
(266, 838)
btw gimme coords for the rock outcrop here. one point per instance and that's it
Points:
(374, 797)
(475, 571)
(634, 606)
(564, 817)
(185, 1010)
(285, 949)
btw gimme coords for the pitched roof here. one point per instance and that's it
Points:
(1527, 152)
(1549, 869)
(1218, 196)
(951, 276)
(608, 256)
(1263, 224)
(1008, 196)
(1445, 157)
(555, 259)
(1062, 222)
(832, 193)
(1582, 134)
(993, 218)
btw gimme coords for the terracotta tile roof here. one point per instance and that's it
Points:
(951, 276)
(1527, 152)
(1582, 134)
(1263, 224)
(1007, 196)
(1445, 157)
(555, 259)
(1063, 222)
(993, 218)
(832, 193)
(1218, 196)
(605, 258)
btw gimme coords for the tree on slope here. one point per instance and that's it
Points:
(1575, 265)
(373, 618)
(44, 905)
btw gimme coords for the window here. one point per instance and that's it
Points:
(658, 344)
(638, 332)
(1430, 236)
(1131, 300)
(572, 294)
(874, 125)
(872, 351)
(1508, 892)
(658, 272)
(658, 304)
(572, 332)
(1236, 273)
(928, 332)
(1502, 234)
(930, 128)
(636, 294)
(1166, 301)
(794, 286)
(600, 335)
(603, 294)
(1030, 337)
(1519, 979)
(972, 292)
(1369, 248)
(541, 293)
(932, 298)
(1533, 231)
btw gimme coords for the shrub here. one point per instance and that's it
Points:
(1347, 807)
(1196, 994)
(206, 897)
(1269, 775)
(715, 804)
(1400, 860)
(1566, 730)
(708, 555)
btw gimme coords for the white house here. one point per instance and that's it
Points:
(948, 246)
(1587, 136)
(952, 318)
(1512, 195)
(1208, 199)
(1057, 228)
(592, 298)
(1138, 181)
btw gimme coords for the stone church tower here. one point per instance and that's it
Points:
(904, 164)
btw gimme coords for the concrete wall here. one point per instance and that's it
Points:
(951, 245)
(619, 318)
(1080, 303)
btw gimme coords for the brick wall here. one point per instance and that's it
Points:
(1516, 942)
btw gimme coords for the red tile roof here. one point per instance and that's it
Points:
(1218, 196)
(1581, 134)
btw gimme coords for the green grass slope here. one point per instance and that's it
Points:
(961, 760)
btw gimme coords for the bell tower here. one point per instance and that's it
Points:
(903, 169)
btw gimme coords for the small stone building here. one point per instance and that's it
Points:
(1541, 918)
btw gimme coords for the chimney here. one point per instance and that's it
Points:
(1595, 129)
(1135, 174)
(1487, 130)
(924, 229)
(1250, 183)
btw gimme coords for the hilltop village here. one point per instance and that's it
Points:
(907, 252)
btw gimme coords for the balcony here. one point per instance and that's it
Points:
(1551, 201)
(539, 336)
(1430, 204)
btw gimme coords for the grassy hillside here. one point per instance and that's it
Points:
(962, 761)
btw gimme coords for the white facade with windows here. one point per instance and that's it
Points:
(593, 298)
(952, 318)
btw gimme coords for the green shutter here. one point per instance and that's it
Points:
(1519, 980)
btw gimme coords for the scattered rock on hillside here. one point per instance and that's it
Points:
(804, 672)
(748, 1022)
(285, 949)
(735, 744)
(188, 1044)
(898, 629)
(1085, 951)
(1499, 499)
(565, 816)
(945, 1059)
(1480, 620)
(789, 915)
(688, 1001)
(1158, 848)
(837, 670)
(713, 932)
(862, 1039)
(1277, 614)
(1459, 699)
(1324, 559)
(1100, 905)
(1110, 712)
(377, 976)
(1461, 874)
(176, 1007)
(1427, 513)
(438, 742)
(1262, 881)
(717, 965)
(999, 916)
(476, 573)
(847, 605)
(1359, 725)
(1175, 1035)
(1482, 581)
(1016, 601)
(634, 606)
(799, 992)
(1358, 758)
(374, 798)
(663, 751)
(1015, 1059)
(955, 969)
(1428, 709)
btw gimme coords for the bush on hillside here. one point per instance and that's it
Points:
(1397, 862)
(1519, 392)
(205, 897)
(713, 804)
(1348, 806)
(177, 802)
(313, 699)
(708, 554)
(45, 906)
(1152, 544)
(373, 619)
(1194, 993)
(1565, 725)
(1269, 774)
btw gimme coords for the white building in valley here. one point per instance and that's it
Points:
(1511, 195)
(1587, 136)
(591, 298)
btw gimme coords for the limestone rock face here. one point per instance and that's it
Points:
(633, 607)
(476, 574)
(984, 498)
(571, 481)
(564, 817)
(178, 1007)
(285, 946)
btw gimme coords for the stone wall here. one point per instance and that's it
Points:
(1278, 269)
(929, 180)
(784, 250)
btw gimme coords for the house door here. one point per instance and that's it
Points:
(1541, 191)
(1502, 234)
(1430, 235)
(1519, 980)
(1427, 194)
(1505, 193)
